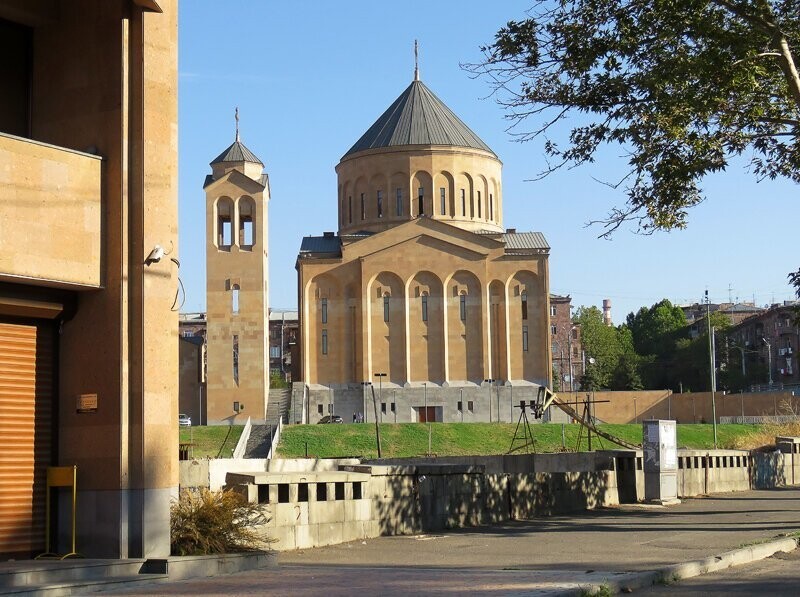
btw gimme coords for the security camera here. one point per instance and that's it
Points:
(155, 255)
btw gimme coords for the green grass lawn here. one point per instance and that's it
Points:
(214, 441)
(455, 439)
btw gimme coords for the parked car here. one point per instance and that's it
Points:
(330, 419)
(184, 420)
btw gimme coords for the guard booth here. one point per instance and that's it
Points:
(660, 447)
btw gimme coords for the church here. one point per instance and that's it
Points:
(422, 292)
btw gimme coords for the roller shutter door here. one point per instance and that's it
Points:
(26, 417)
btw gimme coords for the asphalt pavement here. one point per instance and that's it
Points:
(626, 548)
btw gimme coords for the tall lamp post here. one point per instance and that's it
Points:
(769, 358)
(380, 377)
(713, 364)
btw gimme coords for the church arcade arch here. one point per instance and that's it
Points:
(464, 302)
(425, 327)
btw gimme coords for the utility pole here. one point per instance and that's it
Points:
(713, 369)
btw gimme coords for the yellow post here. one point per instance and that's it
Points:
(61, 476)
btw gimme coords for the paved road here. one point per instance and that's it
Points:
(536, 557)
(777, 576)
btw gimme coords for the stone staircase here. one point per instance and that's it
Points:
(260, 435)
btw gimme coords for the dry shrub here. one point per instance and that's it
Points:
(765, 435)
(206, 522)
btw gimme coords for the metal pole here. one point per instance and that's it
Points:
(569, 358)
(712, 366)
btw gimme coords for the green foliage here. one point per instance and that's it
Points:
(277, 380)
(655, 330)
(207, 522)
(680, 86)
(611, 348)
(212, 441)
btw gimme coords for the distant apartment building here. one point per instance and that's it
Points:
(771, 339)
(283, 330)
(566, 341)
(736, 313)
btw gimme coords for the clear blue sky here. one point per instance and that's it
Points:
(309, 79)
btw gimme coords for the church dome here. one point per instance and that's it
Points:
(419, 160)
(418, 117)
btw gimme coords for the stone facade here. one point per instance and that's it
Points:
(237, 196)
(88, 189)
(566, 342)
(421, 285)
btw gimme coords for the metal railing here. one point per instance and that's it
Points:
(241, 447)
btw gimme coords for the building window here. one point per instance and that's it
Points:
(442, 201)
(235, 358)
(235, 299)
(380, 204)
(552, 310)
(383, 408)
(460, 406)
(554, 330)
(525, 338)
(491, 207)
(224, 225)
(393, 407)
(350, 209)
(479, 204)
(470, 406)
(574, 333)
(319, 409)
(363, 208)
(424, 307)
(324, 310)
(462, 307)
(274, 352)
(463, 203)
(246, 232)
(421, 202)
(398, 201)
(524, 303)
(324, 341)
(386, 307)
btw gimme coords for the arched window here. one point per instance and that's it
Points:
(235, 299)
(224, 222)
(479, 204)
(247, 210)
(463, 203)
(443, 201)
(380, 204)
(421, 202)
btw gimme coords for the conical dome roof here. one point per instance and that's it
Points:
(237, 152)
(418, 117)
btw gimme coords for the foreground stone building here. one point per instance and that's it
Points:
(88, 217)
(422, 287)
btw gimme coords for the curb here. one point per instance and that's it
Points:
(676, 572)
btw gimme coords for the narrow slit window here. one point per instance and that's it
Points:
(462, 307)
(491, 207)
(463, 203)
(235, 358)
(324, 310)
(479, 204)
(363, 208)
(421, 201)
(386, 308)
(324, 341)
(235, 299)
(525, 338)
(424, 307)
(350, 209)
(398, 201)
(524, 303)
(380, 204)
(442, 201)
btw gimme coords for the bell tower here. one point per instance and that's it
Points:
(237, 198)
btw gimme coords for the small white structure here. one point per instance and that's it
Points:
(660, 446)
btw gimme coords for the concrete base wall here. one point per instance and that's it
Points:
(402, 404)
